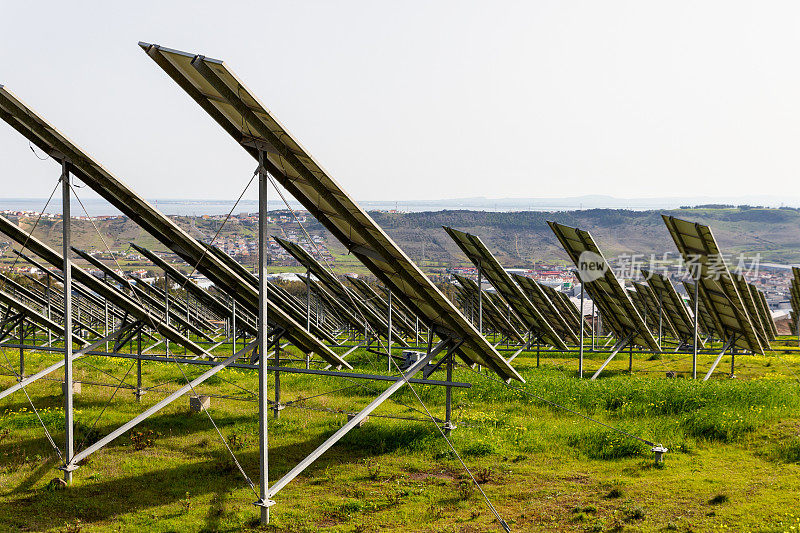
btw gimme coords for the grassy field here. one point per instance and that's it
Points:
(734, 460)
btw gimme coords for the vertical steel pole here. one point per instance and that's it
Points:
(308, 299)
(389, 343)
(480, 298)
(49, 312)
(594, 318)
(308, 311)
(67, 270)
(263, 341)
(480, 303)
(660, 317)
(105, 314)
(696, 313)
(166, 307)
(582, 319)
(21, 349)
(139, 365)
(233, 325)
(448, 408)
(277, 408)
(630, 358)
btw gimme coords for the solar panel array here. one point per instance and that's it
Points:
(718, 288)
(226, 99)
(481, 257)
(619, 313)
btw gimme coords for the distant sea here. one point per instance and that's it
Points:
(99, 207)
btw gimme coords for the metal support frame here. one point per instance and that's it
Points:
(263, 341)
(308, 311)
(66, 219)
(448, 395)
(696, 322)
(389, 336)
(725, 347)
(52, 368)
(277, 407)
(357, 418)
(138, 391)
(614, 351)
(582, 319)
(73, 463)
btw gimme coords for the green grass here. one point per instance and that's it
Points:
(734, 457)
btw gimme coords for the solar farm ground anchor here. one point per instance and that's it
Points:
(659, 450)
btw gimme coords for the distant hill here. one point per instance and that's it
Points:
(518, 239)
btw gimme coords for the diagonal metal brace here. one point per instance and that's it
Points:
(614, 351)
(719, 357)
(356, 419)
(157, 407)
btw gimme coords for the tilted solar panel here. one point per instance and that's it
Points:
(223, 96)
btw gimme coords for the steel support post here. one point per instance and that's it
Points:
(166, 308)
(233, 325)
(138, 364)
(21, 349)
(480, 298)
(593, 323)
(308, 311)
(263, 341)
(733, 362)
(69, 448)
(277, 407)
(389, 337)
(630, 359)
(538, 350)
(448, 396)
(105, 312)
(582, 319)
(696, 312)
(49, 313)
(660, 317)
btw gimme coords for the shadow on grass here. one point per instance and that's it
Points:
(94, 501)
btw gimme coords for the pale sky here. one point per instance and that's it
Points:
(424, 100)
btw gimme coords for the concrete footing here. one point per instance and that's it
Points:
(198, 403)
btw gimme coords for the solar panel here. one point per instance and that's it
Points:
(638, 303)
(549, 311)
(59, 147)
(794, 293)
(750, 305)
(112, 294)
(381, 305)
(724, 303)
(656, 311)
(470, 305)
(764, 315)
(566, 307)
(223, 96)
(500, 321)
(673, 306)
(36, 317)
(705, 320)
(347, 298)
(476, 251)
(617, 309)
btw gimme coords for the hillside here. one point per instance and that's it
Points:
(518, 239)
